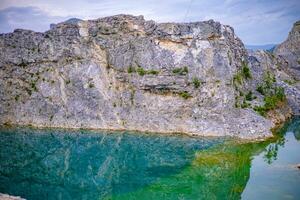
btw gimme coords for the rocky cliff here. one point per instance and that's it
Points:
(288, 55)
(290, 51)
(123, 72)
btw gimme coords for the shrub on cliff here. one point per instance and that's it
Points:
(180, 71)
(185, 95)
(196, 82)
(271, 101)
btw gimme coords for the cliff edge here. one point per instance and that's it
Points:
(125, 73)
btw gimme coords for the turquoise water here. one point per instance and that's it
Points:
(68, 164)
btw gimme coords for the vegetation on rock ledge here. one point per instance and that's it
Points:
(185, 95)
(274, 95)
(180, 71)
(141, 71)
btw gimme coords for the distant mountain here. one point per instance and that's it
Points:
(261, 47)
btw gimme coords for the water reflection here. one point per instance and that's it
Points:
(55, 164)
(271, 151)
(274, 173)
(59, 164)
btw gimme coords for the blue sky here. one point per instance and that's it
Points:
(254, 21)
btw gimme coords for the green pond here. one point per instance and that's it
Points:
(84, 164)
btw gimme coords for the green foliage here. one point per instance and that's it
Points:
(196, 82)
(130, 69)
(185, 95)
(269, 79)
(153, 72)
(260, 89)
(33, 86)
(260, 110)
(271, 101)
(245, 104)
(238, 79)
(246, 71)
(242, 74)
(249, 96)
(181, 71)
(141, 71)
(91, 85)
(267, 86)
(290, 82)
(17, 97)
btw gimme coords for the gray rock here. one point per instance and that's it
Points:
(122, 72)
(9, 197)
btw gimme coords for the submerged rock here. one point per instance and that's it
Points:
(9, 197)
(123, 72)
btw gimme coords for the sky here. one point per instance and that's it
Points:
(256, 22)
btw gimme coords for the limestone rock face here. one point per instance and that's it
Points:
(290, 51)
(123, 72)
(288, 55)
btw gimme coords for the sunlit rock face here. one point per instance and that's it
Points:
(123, 72)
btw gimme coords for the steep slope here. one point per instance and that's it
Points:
(123, 72)
(288, 57)
(290, 51)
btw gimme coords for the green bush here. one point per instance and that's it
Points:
(260, 110)
(245, 104)
(271, 101)
(249, 96)
(196, 82)
(152, 71)
(246, 71)
(33, 86)
(130, 69)
(260, 89)
(266, 88)
(242, 74)
(269, 79)
(185, 95)
(141, 71)
(181, 71)
(290, 82)
(238, 79)
(17, 97)
(91, 85)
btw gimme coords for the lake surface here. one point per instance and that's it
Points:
(82, 164)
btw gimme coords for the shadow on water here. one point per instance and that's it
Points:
(63, 164)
